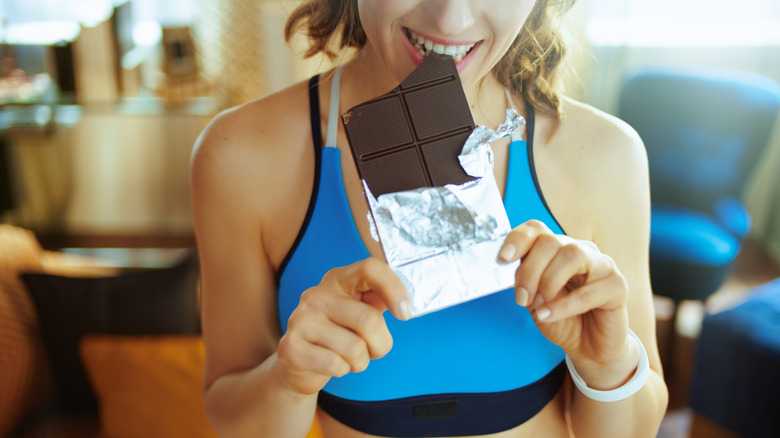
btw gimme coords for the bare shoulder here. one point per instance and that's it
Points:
(594, 165)
(259, 129)
(612, 163)
(605, 151)
(252, 162)
(245, 148)
(602, 135)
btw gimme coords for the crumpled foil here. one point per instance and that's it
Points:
(443, 242)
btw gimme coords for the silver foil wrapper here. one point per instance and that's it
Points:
(443, 242)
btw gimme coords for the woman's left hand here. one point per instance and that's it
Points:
(577, 297)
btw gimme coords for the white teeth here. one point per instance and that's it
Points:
(424, 45)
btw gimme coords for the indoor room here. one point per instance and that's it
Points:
(117, 234)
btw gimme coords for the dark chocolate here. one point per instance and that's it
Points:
(411, 137)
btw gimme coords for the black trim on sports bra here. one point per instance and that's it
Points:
(530, 118)
(316, 133)
(442, 415)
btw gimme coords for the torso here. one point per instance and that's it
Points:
(559, 163)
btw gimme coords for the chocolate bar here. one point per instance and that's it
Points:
(411, 137)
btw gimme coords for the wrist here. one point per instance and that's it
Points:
(285, 384)
(604, 388)
(610, 373)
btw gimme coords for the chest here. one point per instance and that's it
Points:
(357, 202)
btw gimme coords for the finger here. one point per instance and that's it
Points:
(373, 276)
(303, 356)
(374, 300)
(364, 320)
(570, 260)
(344, 342)
(608, 293)
(533, 265)
(520, 240)
(319, 307)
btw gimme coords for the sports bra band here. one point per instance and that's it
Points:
(441, 415)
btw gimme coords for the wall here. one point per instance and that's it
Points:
(122, 169)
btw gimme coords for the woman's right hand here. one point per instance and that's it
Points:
(338, 325)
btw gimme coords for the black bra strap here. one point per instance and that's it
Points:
(316, 134)
(529, 134)
(529, 125)
(314, 112)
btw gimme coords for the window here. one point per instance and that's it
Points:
(713, 23)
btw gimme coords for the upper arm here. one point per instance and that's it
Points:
(240, 326)
(622, 223)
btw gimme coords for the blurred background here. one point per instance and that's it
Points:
(102, 100)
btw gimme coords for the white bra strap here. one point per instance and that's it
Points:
(509, 99)
(515, 135)
(333, 109)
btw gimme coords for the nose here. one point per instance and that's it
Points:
(450, 17)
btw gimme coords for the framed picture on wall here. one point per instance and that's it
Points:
(179, 52)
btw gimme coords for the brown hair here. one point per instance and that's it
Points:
(528, 68)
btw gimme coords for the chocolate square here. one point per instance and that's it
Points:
(411, 137)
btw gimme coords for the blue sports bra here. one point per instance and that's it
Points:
(476, 368)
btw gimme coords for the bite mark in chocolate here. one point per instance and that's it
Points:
(411, 137)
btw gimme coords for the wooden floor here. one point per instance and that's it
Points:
(752, 268)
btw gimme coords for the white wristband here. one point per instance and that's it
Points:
(630, 388)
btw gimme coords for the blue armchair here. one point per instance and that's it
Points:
(704, 131)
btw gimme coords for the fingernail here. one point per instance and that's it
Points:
(522, 296)
(538, 301)
(406, 310)
(506, 253)
(542, 314)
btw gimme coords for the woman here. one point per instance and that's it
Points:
(295, 293)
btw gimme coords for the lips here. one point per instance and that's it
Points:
(425, 45)
(419, 45)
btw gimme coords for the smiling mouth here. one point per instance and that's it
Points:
(425, 46)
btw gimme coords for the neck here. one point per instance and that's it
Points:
(368, 72)
(488, 101)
